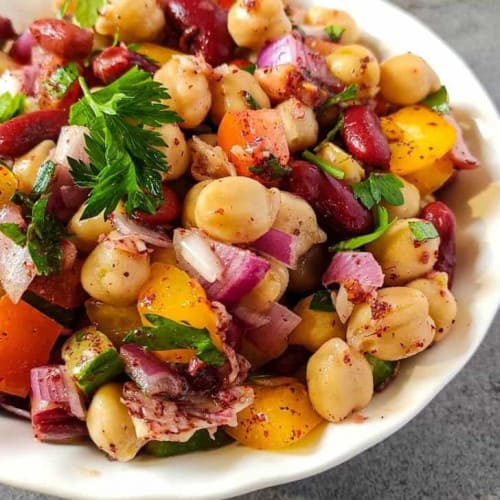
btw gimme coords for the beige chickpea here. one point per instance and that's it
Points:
(236, 209)
(301, 126)
(339, 380)
(209, 160)
(401, 256)
(253, 23)
(270, 290)
(86, 232)
(26, 167)
(316, 327)
(310, 268)
(134, 21)
(176, 152)
(407, 79)
(185, 78)
(189, 205)
(395, 326)
(320, 16)
(442, 303)
(296, 216)
(356, 64)
(114, 274)
(231, 89)
(110, 426)
(353, 171)
(411, 202)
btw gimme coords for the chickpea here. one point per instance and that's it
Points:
(339, 380)
(86, 232)
(353, 171)
(301, 126)
(407, 79)
(411, 204)
(269, 290)
(188, 219)
(253, 23)
(133, 21)
(316, 327)
(186, 81)
(395, 326)
(176, 152)
(356, 64)
(236, 209)
(209, 161)
(325, 17)
(310, 268)
(296, 216)
(231, 89)
(114, 273)
(442, 303)
(110, 426)
(401, 257)
(26, 167)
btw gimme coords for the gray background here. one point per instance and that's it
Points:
(452, 449)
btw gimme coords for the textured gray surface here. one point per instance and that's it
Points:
(452, 449)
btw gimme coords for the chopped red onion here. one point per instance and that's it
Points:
(71, 144)
(17, 269)
(460, 154)
(127, 227)
(272, 338)
(343, 306)
(151, 375)
(57, 409)
(279, 245)
(251, 319)
(195, 250)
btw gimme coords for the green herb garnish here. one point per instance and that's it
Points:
(61, 80)
(250, 68)
(348, 94)
(423, 230)
(270, 169)
(124, 160)
(10, 106)
(43, 178)
(250, 99)
(13, 231)
(382, 370)
(438, 101)
(323, 165)
(322, 301)
(167, 334)
(334, 32)
(87, 12)
(377, 187)
(61, 12)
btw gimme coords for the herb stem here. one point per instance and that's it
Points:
(323, 165)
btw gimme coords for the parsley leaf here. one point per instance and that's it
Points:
(348, 94)
(323, 165)
(167, 334)
(322, 301)
(250, 99)
(125, 161)
(330, 136)
(270, 169)
(61, 12)
(43, 178)
(438, 101)
(86, 12)
(334, 32)
(377, 187)
(13, 231)
(359, 241)
(10, 106)
(250, 68)
(61, 80)
(423, 230)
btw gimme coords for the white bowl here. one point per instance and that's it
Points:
(82, 472)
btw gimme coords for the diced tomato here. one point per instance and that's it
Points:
(169, 210)
(63, 290)
(253, 139)
(26, 339)
(241, 63)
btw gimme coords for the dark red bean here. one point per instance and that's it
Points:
(364, 138)
(62, 38)
(113, 62)
(6, 29)
(304, 180)
(289, 362)
(20, 134)
(21, 48)
(444, 221)
(202, 27)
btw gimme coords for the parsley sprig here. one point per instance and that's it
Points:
(323, 165)
(124, 160)
(377, 187)
(348, 94)
(10, 106)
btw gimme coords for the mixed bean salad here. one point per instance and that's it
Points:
(218, 222)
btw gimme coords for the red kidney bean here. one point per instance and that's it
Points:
(444, 221)
(6, 30)
(304, 180)
(21, 48)
(364, 138)
(20, 134)
(202, 26)
(113, 62)
(62, 38)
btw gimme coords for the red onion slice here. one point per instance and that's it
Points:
(460, 154)
(279, 245)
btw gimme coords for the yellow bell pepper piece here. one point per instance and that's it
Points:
(417, 138)
(8, 185)
(157, 53)
(433, 177)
